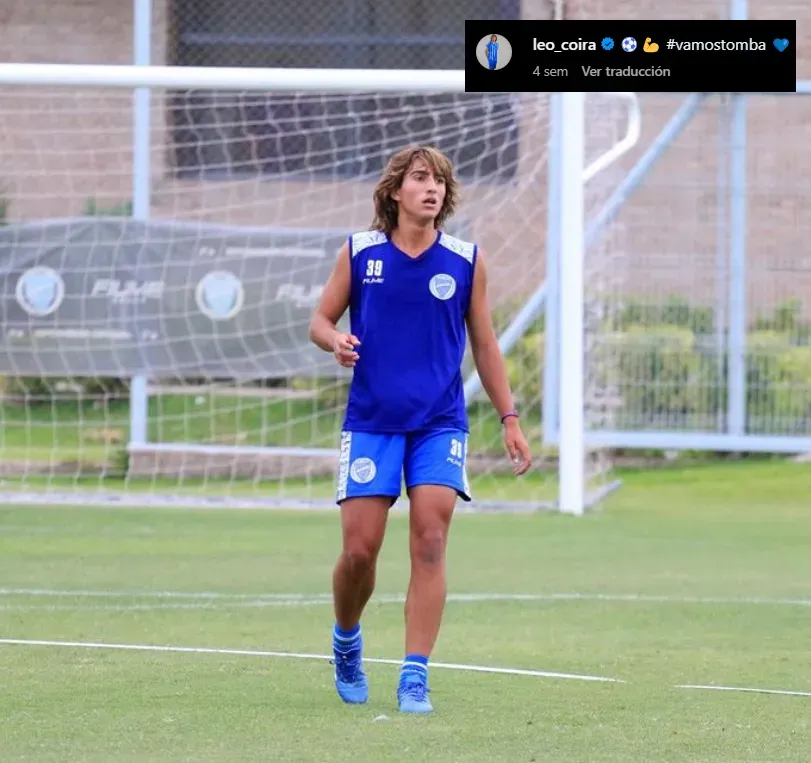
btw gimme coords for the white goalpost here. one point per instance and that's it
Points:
(572, 306)
(205, 289)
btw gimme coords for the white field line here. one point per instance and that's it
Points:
(748, 689)
(190, 595)
(300, 656)
(379, 661)
(300, 599)
(173, 606)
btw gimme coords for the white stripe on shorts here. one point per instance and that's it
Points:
(465, 483)
(343, 465)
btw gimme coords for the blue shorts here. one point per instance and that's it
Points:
(377, 464)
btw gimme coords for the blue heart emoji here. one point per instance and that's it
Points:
(781, 45)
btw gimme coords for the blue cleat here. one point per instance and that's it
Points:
(412, 695)
(350, 680)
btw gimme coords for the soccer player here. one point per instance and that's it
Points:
(492, 51)
(414, 293)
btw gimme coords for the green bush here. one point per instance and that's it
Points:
(675, 311)
(659, 371)
(786, 320)
(778, 382)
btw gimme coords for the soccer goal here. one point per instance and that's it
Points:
(166, 233)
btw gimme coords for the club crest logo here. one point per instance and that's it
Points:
(220, 295)
(442, 286)
(363, 470)
(40, 291)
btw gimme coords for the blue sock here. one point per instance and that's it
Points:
(344, 641)
(415, 666)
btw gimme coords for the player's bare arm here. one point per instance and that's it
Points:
(332, 305)
(491, 367)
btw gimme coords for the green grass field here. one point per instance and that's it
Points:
(687, 576)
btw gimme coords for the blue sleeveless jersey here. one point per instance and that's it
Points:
(409, 315)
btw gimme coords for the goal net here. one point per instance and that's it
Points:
(193, 268)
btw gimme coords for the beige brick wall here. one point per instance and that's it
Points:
(74, 31)
(60, 148)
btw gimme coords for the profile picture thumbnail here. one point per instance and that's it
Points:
(494, 52)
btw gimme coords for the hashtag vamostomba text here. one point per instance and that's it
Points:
(750, 44)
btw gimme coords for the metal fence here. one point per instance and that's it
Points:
(708, 343)
(708, 339)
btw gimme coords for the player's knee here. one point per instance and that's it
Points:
(360, 555)
(428, 544)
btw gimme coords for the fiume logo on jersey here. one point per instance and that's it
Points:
(40, 291)
(442, 286)
(363, 470)
(220, 295)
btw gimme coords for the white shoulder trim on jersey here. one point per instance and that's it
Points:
(462, 248)
(365, 239)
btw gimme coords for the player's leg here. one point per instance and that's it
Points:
(368, 483)
(363, 525)
(430, 516)
(435, 477)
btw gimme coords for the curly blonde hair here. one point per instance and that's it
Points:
(385, 218)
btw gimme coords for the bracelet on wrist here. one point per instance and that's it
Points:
(509, 415)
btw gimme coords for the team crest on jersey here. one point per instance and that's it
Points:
(363, 470)
(442, 286)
